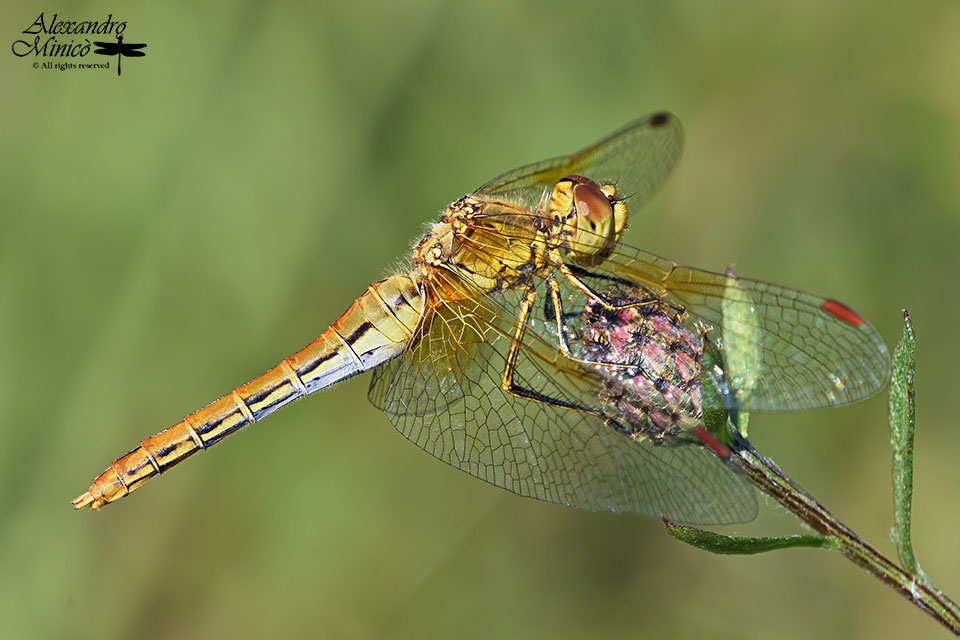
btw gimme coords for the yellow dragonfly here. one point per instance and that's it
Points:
(529, 347)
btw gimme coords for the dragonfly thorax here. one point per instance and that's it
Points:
(433, 249)
(490, 243)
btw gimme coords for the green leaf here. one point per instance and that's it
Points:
(737, 545)
(902, 424)
(741, 344)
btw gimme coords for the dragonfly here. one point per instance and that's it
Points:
(119, 49)
(526, 345)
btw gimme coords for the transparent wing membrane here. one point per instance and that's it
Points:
(809, 357)
(449, 400)
(638, 158)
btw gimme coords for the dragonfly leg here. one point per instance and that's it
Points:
(557, 303)
(513, 389)
(582, 286)
(574, 276)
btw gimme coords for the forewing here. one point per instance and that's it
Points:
(448, 398)
(811, 352)
(638, 158)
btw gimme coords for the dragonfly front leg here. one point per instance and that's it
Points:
(587, 290)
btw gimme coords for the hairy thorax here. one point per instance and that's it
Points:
(487, 245)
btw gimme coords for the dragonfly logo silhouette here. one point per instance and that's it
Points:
(119, 49)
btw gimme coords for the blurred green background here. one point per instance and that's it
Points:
(171, 233)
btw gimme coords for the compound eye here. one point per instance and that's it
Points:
(593, 205)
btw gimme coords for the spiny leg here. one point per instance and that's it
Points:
(557, 304)
(575, 275)
(584, 288)
(513, 353)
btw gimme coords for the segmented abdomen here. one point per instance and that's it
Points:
(373, 330)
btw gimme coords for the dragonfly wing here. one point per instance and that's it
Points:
(810, 352)
(445, 394)
(638, 158)
(424, 381)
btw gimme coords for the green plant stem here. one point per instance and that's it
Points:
(767, 477)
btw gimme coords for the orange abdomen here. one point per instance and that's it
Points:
(374, 329)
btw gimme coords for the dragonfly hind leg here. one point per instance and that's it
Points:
(556, 303)
(508, 385)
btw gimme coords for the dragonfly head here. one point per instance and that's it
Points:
(593, 219)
